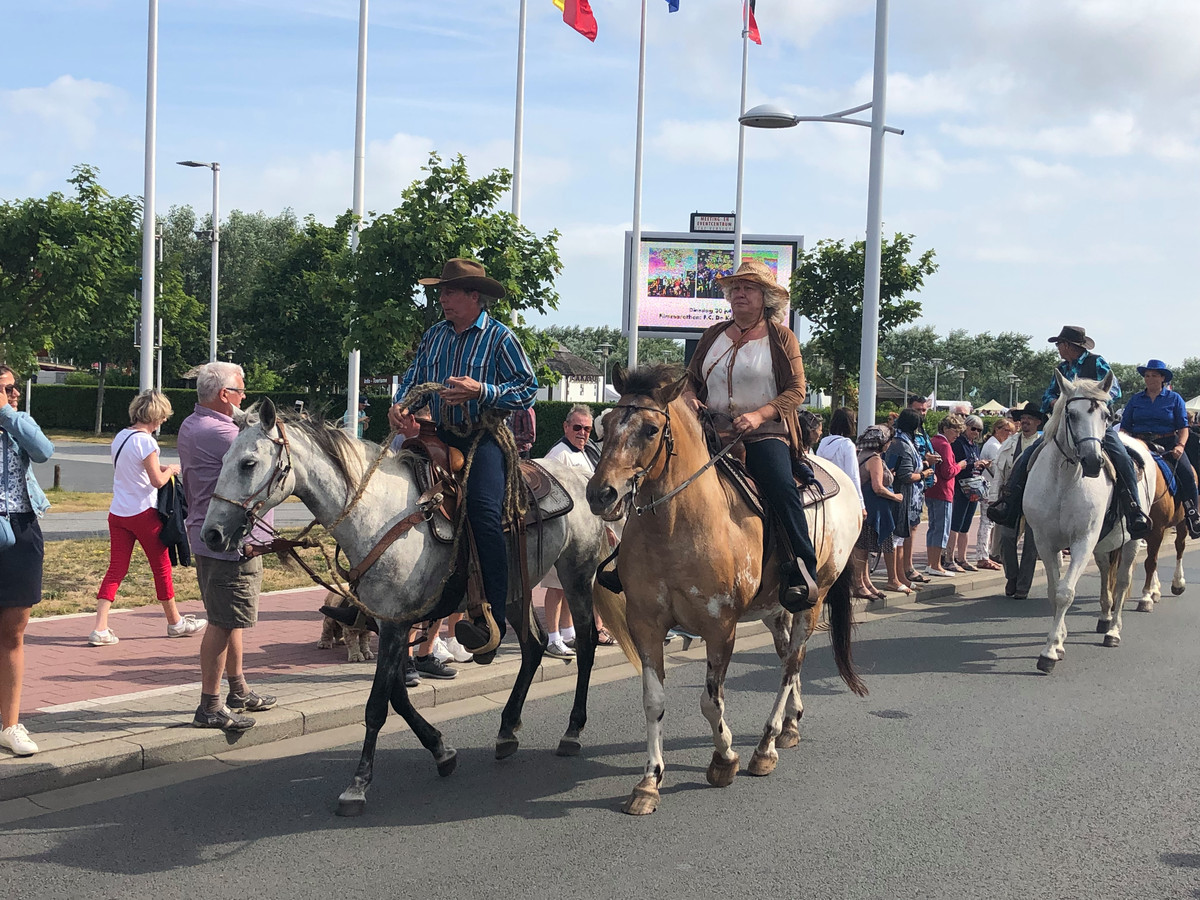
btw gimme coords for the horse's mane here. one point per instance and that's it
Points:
(1080, 387)
(649, 380)
(344, 450)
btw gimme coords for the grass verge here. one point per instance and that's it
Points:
(73, 570)
(77, 501)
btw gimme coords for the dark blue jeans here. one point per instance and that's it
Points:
(770, 464)
(485, 504)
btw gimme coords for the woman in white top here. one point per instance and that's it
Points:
(1002, 429)
(133, 516)
(839, 448)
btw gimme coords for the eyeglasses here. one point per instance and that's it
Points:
(11, 389)
(584, 428)
(973, 428)
(238, 390)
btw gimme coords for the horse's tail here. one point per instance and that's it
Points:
(841, 623)
(611, 608)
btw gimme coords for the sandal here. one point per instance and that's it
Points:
(604, 638)
(988, 564)
(898, 588)
(917, 577)
(966, 566)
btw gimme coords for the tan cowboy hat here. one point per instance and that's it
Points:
(757, 272)
(468, 275)
(1073, 334)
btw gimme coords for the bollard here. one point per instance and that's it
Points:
(58, 478)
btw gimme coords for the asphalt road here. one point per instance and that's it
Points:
(965, 774)
(84, 467)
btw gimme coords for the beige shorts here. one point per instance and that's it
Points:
(230, 589)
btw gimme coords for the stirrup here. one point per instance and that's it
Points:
(796, 598)
(467, 631)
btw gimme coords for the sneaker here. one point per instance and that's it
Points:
(559, 650)
(433, 667)
(937, 573)
(412, 678)
(186, 627)
(441, 652)
(102, 638)
(17, 740)
(457, 651)
(250, 702)
(224, 718)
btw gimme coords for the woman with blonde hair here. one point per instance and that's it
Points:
(133, 516)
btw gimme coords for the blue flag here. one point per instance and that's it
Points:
(672, 5)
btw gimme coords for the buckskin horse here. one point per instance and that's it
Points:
(273, 458)
(693, 556)
(1067, 496)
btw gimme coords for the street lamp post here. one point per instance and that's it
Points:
(1011, 381)
(215, 239)
(771, 116)
(962, 381)
(937, 365)
(1017, 385)
(907, 368)
(603, 351)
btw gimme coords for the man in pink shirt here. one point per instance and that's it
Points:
(229, 584)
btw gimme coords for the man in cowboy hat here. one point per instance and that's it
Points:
(1019, 568)
(1158, 416)
(1078, 361)
(483, 367)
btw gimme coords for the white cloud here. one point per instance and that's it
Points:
(69, 109)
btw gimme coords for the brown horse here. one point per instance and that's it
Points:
(1166, 512)
(695, 559)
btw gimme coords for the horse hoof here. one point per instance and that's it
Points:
(644, 799)
(1111, 640)
(789, 737)
(1177, 590)
(449, 764)
(761, 764)
(352, 802)
(569, 746)
(1046, 664)
(721, 772)
(1145, 606)
(506, 747)
(1102, 626)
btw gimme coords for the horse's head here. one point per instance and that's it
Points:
(256, 475)
(1080, 419)
(637, 436)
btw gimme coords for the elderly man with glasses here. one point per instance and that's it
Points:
(229, 585)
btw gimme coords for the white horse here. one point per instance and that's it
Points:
(1066, 498)
(274, 458)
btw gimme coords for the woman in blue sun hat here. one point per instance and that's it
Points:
(1158, 415)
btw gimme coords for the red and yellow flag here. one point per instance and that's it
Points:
(578, 14)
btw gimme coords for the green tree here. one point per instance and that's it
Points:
(827, 289)
(584, 341)
(444, 215)
(64, 261)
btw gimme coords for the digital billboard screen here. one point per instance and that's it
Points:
(675, 278)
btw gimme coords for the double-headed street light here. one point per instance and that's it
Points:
(215, 240)
(906, 367)
(771, 116)
(962, 381)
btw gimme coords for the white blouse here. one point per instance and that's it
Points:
(741, 381)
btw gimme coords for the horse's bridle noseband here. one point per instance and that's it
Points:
(1073, 441)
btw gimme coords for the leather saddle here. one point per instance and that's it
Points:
(435, 464)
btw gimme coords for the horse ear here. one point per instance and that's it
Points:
(618, 378)
(1063, 384)
(674, 389)
(266, 414)
(1107, 383)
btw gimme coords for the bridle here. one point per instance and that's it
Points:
(279, 474)
(1074, 443)
(666, 442)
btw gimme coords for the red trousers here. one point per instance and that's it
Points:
(145, 528)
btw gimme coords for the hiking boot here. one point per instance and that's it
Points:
(479, 635)
(224, 718)
(186, 627)
(432, 667)
(250, 702)
(16, 739)
(102, 638)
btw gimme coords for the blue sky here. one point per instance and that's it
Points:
(1050, 154)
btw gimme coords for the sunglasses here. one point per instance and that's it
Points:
(973, 428)
(581, 427)
(11, 389)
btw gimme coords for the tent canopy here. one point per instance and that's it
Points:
(1193, 405)
(992, 406)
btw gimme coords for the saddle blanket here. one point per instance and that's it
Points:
(1168, 474)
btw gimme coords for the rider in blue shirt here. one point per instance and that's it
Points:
(1158, 415)
(1075, 348)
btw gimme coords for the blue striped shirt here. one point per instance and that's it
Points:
(488, 352)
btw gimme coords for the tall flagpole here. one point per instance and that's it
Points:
(636, 256)
(741, 163)
(519, 134)
(146, 360)
(359, 209)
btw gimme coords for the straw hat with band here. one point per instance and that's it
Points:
(1073, 334)
(468, 275)
(1157, 365)
(775, 296)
